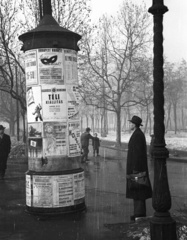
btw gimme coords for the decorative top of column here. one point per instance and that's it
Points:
(158, 7)
(48, 33)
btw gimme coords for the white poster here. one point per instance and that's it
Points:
(42, 191)
(28, 190)
(70, 63)
(31, 67)
(73, 99)
(74, 139)
(79, 186)
(64, 190)
(50, 66)
(34, 107)
(55, 191)
(54, 140)
(54, 103)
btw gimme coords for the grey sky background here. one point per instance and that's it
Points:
(175, 24)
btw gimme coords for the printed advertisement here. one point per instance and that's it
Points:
(73, 99)
(35, 148)
(71, 75)
(31, 67)
(55, 191)
(50, 66)
(34, 107)
(28, 190)
(64, 187)
(79, 186)
(54, 140)
(74, 139)
(42, 191)
(54, 103)
(35, 130)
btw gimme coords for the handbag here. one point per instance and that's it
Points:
(137, 180)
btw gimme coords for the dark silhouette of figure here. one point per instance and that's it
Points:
(85, 137)
(5, 146)
(96, 145)
(137, 163)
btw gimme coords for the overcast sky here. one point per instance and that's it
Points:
(175, 24)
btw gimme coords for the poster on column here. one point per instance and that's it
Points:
(34, 106)
(31, 67)
(73, 99)
(35, 149)
(42, 191)
(35, 130)
(28, 190)
(63, 190)
(70, 63)
(54, 140)
(74, 139)
(79, 185)
(50, 66)
(54, 103)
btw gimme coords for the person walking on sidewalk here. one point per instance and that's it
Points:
(85, 137)
(5, 145)
(96, 145)
(137, 166)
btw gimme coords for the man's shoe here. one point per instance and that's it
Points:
(87, 160)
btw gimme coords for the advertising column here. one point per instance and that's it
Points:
(54, 182)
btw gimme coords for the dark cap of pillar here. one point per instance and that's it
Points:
(48, 34)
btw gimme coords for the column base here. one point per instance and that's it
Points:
(56, 211)
(163, 227)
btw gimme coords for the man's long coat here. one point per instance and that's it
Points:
(137, 162)
(5, 145)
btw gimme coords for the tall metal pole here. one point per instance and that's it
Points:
(162, 226)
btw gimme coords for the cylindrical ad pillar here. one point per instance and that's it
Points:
(54, 181)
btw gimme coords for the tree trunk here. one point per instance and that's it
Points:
(81, 122)
(118, 132)
(147, 118)
(24, 127)
(182, 117)
(168, 118)
(175, 116)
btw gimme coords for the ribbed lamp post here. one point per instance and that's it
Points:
(162, 226)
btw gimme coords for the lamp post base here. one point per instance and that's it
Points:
(163, 227)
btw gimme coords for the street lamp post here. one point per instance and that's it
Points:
(162, 226)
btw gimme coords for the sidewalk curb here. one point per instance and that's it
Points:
(171, 158)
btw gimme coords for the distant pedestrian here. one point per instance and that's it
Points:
(85, 137)
(5, 145)
(137, 170)
(96, 145)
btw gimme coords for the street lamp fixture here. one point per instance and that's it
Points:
(162, 226)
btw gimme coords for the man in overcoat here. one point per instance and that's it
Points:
(5, 146)
(137, 163)
(85, 137)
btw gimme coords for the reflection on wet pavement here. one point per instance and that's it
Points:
(105, 180)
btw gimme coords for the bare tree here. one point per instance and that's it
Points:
(174, 82)
(112, 55)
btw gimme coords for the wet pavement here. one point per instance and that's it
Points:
(105, 201)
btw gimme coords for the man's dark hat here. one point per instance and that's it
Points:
(1, 127)
(88, 129)
(136, 120)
